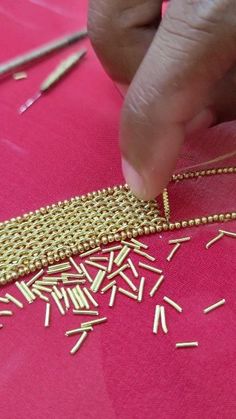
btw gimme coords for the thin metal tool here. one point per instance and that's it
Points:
(18, 62)
(63, 68)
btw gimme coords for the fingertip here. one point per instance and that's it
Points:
(145, 187)
(203, 120)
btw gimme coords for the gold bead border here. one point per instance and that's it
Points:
(161, 226)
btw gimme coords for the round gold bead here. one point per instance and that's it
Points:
(204, 220)
(165, 227)
(215, 217)
(129, 234)
(191, 223)
(159, 229)
(27, 270)
(68, 252)
(233, 215)
(146, 230)
(104, 240)
(38, 264)
(117, 237)
(75, 250)
(44, 261)
(32, 267)
(123, 235)
(177, 225)
(62, 254)
(110, 238)
(171, 226)
(14, 275)
(221, 217)
(184, 224)
(8, 277)
(152, 230)
(21, 271)
(3, 281)
(92, 244)
(210, 219)
(135, 232)
(50, 260)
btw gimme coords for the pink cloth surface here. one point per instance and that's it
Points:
(66, 145)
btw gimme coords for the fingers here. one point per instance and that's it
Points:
(173, 89)
(121, 32)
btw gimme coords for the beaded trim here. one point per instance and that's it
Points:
(55, 232)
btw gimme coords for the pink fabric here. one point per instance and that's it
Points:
(66, 145)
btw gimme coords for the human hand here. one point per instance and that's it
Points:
(182, 75)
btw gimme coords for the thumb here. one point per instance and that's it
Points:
(173, 89)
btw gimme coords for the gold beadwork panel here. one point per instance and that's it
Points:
(73, 226)
(55, 232)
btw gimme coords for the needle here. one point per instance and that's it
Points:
(63, 68)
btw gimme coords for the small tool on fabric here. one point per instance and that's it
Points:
(20, 61)
(63, 68)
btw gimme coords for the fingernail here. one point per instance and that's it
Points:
(133, 179)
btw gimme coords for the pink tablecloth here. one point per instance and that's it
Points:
(66, 145)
